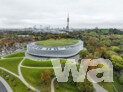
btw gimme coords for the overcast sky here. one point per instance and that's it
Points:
(83, 13)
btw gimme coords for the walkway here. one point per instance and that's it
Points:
(39, 67)
(52, 85)
(10, 72)
(20, 76)
(99, 88)
(22, 79)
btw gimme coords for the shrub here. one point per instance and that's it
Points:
(121, 55)
(115, 48)
(121, 79)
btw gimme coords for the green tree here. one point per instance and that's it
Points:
(117, 62)
(85, 86)
(121, 79)
(121, 55)
(108, 54)
(83, 54)
(115, 48)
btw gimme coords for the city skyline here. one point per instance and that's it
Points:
(83, 14)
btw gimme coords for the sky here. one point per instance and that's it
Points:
(82, 13)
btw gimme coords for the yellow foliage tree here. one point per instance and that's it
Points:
(46, 76)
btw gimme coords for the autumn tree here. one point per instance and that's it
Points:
(103, 51)
(46, 76)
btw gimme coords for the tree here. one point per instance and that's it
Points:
(46, 76)
(117, 62)
(90, 48)
(121, 79)
(70, 79)
(103, 51)
(42, 76)
(121, 55)
(85, 86)
(83, 54)
(108, 54)
(115, 48)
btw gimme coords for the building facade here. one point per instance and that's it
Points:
(63, 52)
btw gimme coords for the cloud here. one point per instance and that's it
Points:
(83, 13)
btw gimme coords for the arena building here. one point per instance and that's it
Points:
(51, 49)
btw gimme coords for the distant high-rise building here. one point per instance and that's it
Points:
(68, 20)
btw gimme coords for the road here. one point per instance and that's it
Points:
(2, 88)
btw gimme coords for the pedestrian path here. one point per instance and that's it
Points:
(20, 76)
(52, 85)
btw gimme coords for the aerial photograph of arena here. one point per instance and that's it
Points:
(61, 46)
(55, 48)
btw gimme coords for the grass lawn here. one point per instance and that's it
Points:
(92, 32)
(32, 63)
(118, 86)
(65, 87)
(32, 76)
(110, 87)
(18, 54)
(55, 43)
(11, 64)
(105, 30)
(15, 83)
